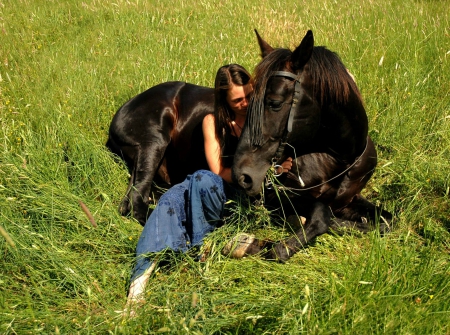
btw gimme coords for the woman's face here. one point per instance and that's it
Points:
(238, 97)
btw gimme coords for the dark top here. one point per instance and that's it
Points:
(229, 149)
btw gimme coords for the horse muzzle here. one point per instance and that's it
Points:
(250, 180)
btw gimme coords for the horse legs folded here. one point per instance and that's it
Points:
(359, 214)
(146, 163)
(125, 204)
(316, 225)
(362, 215)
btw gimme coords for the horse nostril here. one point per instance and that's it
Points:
(245, 181)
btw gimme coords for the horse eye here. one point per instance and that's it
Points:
(275, 105)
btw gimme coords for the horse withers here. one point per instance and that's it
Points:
(306, 105)
(158, 134)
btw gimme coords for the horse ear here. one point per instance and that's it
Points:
(303, 53)
(263, 45)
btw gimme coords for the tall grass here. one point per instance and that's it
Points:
(65, 68)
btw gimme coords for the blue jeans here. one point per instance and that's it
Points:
(183, 216)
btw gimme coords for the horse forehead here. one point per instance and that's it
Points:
(280, 85)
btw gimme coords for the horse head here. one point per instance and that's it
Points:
(283, 110)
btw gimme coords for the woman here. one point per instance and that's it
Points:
(190, 210)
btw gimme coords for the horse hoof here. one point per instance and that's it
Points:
(279, 253)
(242, 245)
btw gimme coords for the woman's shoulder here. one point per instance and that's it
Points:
(208, 125)
(208, 121)
(208, 118)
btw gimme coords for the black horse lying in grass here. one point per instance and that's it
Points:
(306, 105)
(158, 134)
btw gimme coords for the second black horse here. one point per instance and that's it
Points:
(158, 134)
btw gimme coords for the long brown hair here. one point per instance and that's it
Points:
(227, 75)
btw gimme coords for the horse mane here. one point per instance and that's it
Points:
(331, 83)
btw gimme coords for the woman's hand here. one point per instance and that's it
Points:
(284, 167)
(287, 165)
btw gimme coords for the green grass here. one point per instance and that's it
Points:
(66, 67)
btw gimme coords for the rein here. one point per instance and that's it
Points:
(357, 159)
(288, 130)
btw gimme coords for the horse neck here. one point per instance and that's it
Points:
(344, 130)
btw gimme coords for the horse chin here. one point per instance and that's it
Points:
(253, 192)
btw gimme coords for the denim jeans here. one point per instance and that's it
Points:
(183, 216)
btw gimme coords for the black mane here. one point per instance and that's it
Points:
(332, 82)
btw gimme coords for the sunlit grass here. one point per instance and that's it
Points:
(65, 68)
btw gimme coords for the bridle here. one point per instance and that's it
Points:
(290, 120)
(295, 99)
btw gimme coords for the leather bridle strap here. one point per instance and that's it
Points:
(290, 122)
(295, 98)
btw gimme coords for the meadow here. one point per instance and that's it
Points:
(67, 66)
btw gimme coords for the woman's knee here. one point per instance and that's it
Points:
(206, 177)
(207, 188)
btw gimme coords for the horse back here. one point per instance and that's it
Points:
(166, 117)
(186, 153)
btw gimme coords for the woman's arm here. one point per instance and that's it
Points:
(212, 149)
